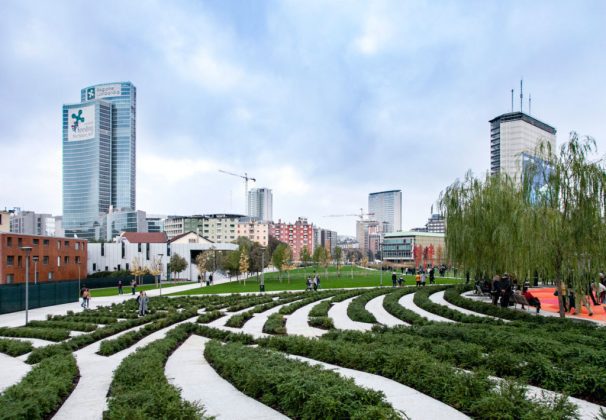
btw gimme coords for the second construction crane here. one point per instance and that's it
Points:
(360, 215)
(246, 179)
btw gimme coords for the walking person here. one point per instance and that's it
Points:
(418, 279)
(133, 287)
(394, 279)
(318, 281)
(315, 282)
(308, 284)
(400, 281)
(119, 287)
(210, 278)
(505, 290)
(496, 289)
(423, 279)
(85, 298)
(142, 300)
(432, 276)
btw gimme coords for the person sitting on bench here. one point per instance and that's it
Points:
(532, 301)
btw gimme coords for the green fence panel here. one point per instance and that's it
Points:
(12, 296)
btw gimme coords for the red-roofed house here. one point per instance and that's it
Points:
(144, 237)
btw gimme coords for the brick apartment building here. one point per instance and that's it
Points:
(51, 258)
(296, 235)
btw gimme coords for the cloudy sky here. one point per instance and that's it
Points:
(321, 101)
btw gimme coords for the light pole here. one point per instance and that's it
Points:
(35, 259)
(160, 273)
(381, 253)
(27, 250)
(262, 270)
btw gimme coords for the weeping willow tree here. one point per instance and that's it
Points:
(551, 221)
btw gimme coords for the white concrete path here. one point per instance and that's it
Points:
(187, 369)
(407, 302)
(296, 323)
(88, 400)
(254, 326)
(17, 319)
(338, 313)
(375, 307)
(13, 370)
(439, 299)
(413, 403)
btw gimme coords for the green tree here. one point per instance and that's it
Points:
(177, 264)
(204, 262)
(278, 258)
(338, 257)
(231, 263)
(304, 255)
(244, 262)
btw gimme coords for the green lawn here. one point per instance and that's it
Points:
(361, 278)
(113, 291)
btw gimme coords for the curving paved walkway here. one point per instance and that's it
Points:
(407, 302)
(296, 323)
(339, 316)
(413, 403)
(439, 299)
(13, 370)
(88, 400)
(254, 326)
(187, 369)
(375, 307)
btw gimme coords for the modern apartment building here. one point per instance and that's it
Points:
(155, 223)
(366, 234)
(255, 230)
(5, 217)
(297, 235)
(514, 135)
(400, 247)
(99, 157)
(386, 208)
(51, 258)
(435, 224)
(260, 204)
(325, 238)
(214, 227)
(31, 223)
(118, 221)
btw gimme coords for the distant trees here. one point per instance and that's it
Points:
(177, 264)
(338, 256)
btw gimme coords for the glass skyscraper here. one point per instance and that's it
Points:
(99, 157)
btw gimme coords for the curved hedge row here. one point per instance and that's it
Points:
(294, 388)
(421, 299)
(275, 324)
(50, 334)
(356, 310)
(15, 347)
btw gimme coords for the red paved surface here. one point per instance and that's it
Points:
(549, 303)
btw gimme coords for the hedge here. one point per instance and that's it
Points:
(50, 334)
(275, 324)
(15, 347)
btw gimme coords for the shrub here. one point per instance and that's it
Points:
(295, 388)
(356, 310)
(68, 325)
(322, 322)
(15, 347)
(139, 388)
(50, 334)
(42, 391)
(207, 317)
(275, 324)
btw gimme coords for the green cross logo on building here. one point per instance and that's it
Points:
(78, 118)
(90, 93)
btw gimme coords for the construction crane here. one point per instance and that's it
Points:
(246, 179)
(360, 215)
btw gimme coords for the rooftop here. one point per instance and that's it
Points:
(145, 237)
(411, 233)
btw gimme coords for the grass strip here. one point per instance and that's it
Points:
(68, 325)
(392, 305)
(15, 347)
(42, 391)
(140, 390)
(294, 388)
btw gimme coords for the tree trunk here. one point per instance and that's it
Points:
(561, 305)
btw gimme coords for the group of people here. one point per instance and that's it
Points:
(503, 288)
(594, 292)
(312, 283)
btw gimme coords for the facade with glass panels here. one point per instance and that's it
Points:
(123, 97)
(86, 167)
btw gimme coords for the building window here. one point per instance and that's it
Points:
(19, 261)
(123, 250)
(66, 243)
(19, 242)
(9, 241)
(50, 275)
(45, 260)
(66, 260)
(10, 278)
(36, 241)
(58, 244)
(77, 246)
(119, 267)
(94, 267)
(127, 267)
(10, 260)
(138, 247)
(77, 260)
(103, 250)
(58, 261)
(45, 242)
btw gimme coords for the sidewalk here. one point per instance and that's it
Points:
(17, 319)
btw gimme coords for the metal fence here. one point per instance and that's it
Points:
(100, 282)
(12, 296)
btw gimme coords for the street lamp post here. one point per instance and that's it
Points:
(160, 274)
(27, 250)
(35, 260)
(381, 252)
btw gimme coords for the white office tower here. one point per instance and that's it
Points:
(260, 204)
(513, 137)
(386, 208)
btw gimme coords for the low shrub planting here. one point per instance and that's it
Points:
(50, 334)
(207, 317)
(289, 309)
(223, 335)
(68, 325)
(275, 324)
(323, 322)
(15, 347)
(109, 347)
(321, 309)
(250, 301)
(421, 299)
(294, 388)
(42, 391)
(238, 320)
(391, 305)
(471, 393)
(140, 390)
(356, 310)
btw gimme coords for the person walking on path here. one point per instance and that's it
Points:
(418, 279)
(423, 279)
(505, 290)
(394, 278)
(85, 298)
(119, 287)
(133, 287)
(142, 300)
(210, 278)
(317, 281)
(432, 276)
(400, 281)
(82, 293)
(496, 289)
(308, 284)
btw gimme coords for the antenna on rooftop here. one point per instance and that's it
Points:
(511, 100)
(529, 103)
(521, 95)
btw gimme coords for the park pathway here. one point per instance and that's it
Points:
(296, 323)
(13, 370)
(375, 307)
(339, 316)
(407, 302)
(187, 369)
(439, 299)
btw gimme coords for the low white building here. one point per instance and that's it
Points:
(147, 248)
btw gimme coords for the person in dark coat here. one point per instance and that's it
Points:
(496, 289)
(394, 278)
(505, 290)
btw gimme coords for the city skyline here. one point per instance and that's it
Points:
(320, 103)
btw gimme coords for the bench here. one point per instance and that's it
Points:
(481, 292)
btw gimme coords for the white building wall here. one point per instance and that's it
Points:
(518, 137)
